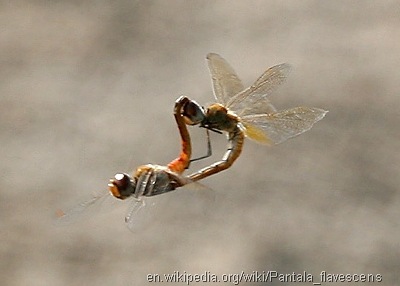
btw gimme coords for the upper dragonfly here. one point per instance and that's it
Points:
(148, 180)
(247, 112)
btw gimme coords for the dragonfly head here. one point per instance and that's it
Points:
(193, 113)
(122, 186)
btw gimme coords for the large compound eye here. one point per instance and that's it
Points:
(121, 186)
(122, 181)
(193, 113)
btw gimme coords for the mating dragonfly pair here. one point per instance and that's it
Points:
(240, 112)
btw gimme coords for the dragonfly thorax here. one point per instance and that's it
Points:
(219, 117)
(151, 180)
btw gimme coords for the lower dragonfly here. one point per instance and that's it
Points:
(148, 180)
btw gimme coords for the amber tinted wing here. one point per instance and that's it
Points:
(280, 126)
(253, 100)
(226, 83)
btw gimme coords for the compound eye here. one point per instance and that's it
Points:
(122, 181)
(193, 113)
(121, 186)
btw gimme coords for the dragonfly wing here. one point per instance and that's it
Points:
(155, 182)
(136, 216)
(191, 200)
(263, 106)
(226, 83)
(253, 100)
(85, 208)
(256, 133)
(147, 210)
(280, 126)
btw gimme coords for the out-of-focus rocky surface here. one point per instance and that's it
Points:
(87, 90)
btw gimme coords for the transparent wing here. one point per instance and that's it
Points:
(136, 215)
(139, 212)
(201, 198)
(253, 100)
(186, 205)
(225, 81)
(86, 208)
(263, 106)
(193, 197)
(280, 126)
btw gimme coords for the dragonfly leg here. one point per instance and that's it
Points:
(209, 149)
(236, 139)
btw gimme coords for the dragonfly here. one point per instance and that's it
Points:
(147, 180)
(246, 112)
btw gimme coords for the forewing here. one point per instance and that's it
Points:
(263, 106)
(226, 83)
(97, 202)
(280, 126)
(253, 100)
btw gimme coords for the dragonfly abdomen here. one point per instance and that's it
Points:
(236, 140)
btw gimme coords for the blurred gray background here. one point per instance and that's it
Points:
(87, 90)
